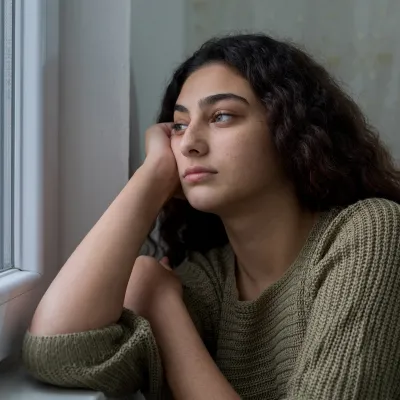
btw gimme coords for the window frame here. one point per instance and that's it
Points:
(36, 162)
(6, 145)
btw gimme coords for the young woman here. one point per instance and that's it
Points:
(285, 252)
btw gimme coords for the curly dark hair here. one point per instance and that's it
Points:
(329, 152)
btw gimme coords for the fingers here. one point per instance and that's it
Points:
(167, 128)
(165, 263)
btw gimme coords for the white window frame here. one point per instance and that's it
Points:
(37, 26)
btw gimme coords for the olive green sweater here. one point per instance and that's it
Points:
(328, 329)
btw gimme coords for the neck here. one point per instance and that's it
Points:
(266, 236)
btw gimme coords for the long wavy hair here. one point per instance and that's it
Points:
(329, 152)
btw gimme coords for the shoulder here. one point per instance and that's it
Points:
(353, 307)
(372, 220)
(362, 224)
(375, 211)
(357, 255)
(362, 239)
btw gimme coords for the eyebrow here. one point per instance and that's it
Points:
(213, 99)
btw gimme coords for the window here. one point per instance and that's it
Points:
(7, 64)
(28, 159)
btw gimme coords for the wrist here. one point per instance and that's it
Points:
(161, 167)
(156, 184)
(163, 176)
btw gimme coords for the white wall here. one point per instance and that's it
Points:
(94, 112)
(157, 48)
(358, 41)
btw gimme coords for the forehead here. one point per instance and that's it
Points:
(214, 79)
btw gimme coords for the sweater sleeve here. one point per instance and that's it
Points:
(123, 358)
(352, 344)
(117, 360)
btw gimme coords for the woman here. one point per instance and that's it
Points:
(286, 256)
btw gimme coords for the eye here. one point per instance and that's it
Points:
(176, 128)
(222, 117)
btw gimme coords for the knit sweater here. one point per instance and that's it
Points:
(328, 329)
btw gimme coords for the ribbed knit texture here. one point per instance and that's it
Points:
(328, 329)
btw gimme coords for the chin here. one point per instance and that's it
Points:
(204, 200)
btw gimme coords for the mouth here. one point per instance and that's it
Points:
(198, 174)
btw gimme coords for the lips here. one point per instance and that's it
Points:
(198, 170)
(194, 175)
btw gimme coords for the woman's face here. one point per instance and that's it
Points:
(221, 141)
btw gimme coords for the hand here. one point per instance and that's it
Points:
(158, 147)
(151, 282)
(160, 160)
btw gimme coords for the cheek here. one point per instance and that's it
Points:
(250, 160)
(247, 152)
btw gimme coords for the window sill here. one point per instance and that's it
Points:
(18, 298)
(16, 385)
(14, 283)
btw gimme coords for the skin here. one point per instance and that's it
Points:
(229, 135)
(265, 225)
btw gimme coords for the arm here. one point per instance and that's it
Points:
(119, 358)
(99, 269)
(189, 367)
(182, 319)
(80, 335)
(190, 370)
(352, 345)
(88, 293)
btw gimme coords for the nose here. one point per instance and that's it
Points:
(194, 143)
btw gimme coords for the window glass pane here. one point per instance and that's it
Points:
(6, 133)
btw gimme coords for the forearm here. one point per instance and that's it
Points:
(88, 292)
(190, 370)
